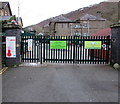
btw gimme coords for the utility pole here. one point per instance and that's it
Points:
(88, 27)
(18, 8)
(18, 12)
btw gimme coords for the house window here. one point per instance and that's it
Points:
(62, 25)
(6, 14)
(85, 34)
(77, 26)
(76, 33)
(85, 25)
(68, 25)
(1, 13)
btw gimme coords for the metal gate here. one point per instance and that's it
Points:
(66, 49)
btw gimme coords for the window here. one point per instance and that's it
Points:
(62, 25)
(77, 26)
(85, 34)
(6, 14)
(76, 33)
(85, 25)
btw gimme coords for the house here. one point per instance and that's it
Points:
(83, 26)
(5, 9)
(62, 26)
(89, 24)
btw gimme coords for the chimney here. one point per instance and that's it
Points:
(98, 14)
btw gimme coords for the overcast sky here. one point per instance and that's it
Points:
(34, 11)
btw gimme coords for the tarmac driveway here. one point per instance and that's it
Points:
(61, 83)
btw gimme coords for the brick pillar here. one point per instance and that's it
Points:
(0, 52)
(0, 46)
(115, 49)
(13, 31)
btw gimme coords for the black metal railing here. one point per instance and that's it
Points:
(66, 49)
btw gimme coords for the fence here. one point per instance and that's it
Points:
(65, 49)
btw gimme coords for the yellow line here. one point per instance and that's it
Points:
(3, 70)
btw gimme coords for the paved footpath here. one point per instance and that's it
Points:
(61, 83)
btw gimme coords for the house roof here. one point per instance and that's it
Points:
(3, 5)
(60, 18)
(103, 32)
(90, 17)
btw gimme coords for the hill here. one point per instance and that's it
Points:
(108, 10)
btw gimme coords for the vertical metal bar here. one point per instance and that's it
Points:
(49, 48)
(101, 55)
(61, 51)
(85, 51)
(58, 52)
(63, 55)
(81, 42)
(51, 52)
(108, 49)
(74, 50)
(90, 51)
(71, 49)
(35, 60)
(78, 56)
(54, 52)
(98, 54)
(43, 48)
(22, 45)
(32, 47)
(46, 45)
(26, 47)
(76, 43)
(103, 52)
(68, 44)
(66, 49)
(95, 52)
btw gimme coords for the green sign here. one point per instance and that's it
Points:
(93, 44)
(58, 45)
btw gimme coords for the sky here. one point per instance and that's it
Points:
(35, 11)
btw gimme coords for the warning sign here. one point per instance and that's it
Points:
(11, 46)
(58, 45)
(92, 44)
(30, 41)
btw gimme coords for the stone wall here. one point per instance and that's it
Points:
(115, 50)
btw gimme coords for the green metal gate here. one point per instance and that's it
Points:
(66, 49)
